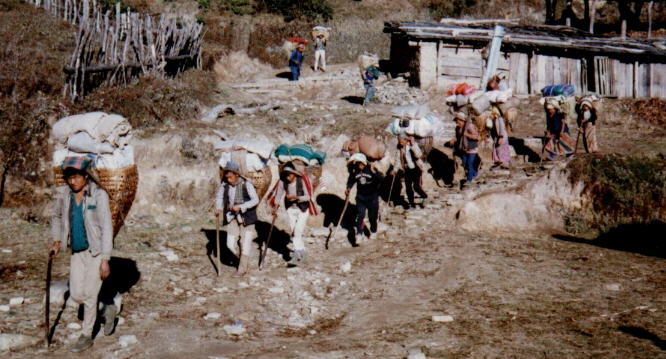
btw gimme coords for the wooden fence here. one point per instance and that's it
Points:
(114, 46)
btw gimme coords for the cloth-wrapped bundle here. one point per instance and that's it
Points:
(372, 148)
(558, 90)
(321, 30)
(304, 153)
(367, 59)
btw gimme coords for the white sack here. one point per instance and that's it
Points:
(480, 104)
(99, 125)
(120, 158)
(498, 96)
(411, 111)
(83, 143)
(262, 148)
(252, 161)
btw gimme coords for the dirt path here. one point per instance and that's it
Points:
(514, 295)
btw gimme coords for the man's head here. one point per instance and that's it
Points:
(289, 173)
(75, 171)
(231, 172)
(358, 160)
(300, 47)
(403, 139)
(586, 105)
(551, 109)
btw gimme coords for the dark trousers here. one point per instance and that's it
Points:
(468, 163)
(295, 72)
(413, 183)
(371, 204)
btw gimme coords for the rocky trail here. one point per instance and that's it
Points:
(419, 287)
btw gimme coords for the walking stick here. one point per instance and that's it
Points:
(219, 248)
(342, 215)
(577, 138)
(268, 240)
(47, 304)
(391, 189)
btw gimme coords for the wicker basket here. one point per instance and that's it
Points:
(314, 172)
(120, 184)
(261, 180)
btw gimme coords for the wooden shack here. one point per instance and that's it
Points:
(452, 51)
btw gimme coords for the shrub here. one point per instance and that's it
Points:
(309, 10)
(623, 189)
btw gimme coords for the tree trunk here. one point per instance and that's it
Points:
(593, 12)
(649, 34)
(550, 16)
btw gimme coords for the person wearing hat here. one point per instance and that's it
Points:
(500, 136)
(82, 220)
(558, 141)
(370, 74)
(295, 193)
(456, 143)
(367, 181)
(320, 52)
(587, 119)
(236, 201)
(295, 62)
(410, 164)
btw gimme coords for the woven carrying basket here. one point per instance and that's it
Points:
(120, 184)
(314, 172)
(261, 180)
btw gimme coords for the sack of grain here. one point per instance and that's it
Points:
(367, 59)
(480, 104)
(321, 30)
(372, 148)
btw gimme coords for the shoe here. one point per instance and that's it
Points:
(82, 344)
(297, 258)
(359, 238)
(110, 312)
(242, 267)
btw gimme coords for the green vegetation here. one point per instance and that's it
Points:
(309, 10)
(451, 8)
(623, 189)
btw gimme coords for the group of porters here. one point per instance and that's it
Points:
(91, 203)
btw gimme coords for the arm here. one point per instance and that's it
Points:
(471, 132)
(106, 223)
(416, 149)
(56, 226)
(218, 199)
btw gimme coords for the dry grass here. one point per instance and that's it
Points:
(238, 67)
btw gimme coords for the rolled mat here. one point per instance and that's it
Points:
(314, 172)
(120, 184)
(261, 180)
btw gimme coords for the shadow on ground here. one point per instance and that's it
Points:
(645, 239)
(357, 100)
(641, 333)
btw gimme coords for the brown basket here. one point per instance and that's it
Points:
(120, 184)
(314, 172)
(261, 180)
(426, 145)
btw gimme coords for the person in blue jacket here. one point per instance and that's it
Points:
(295, 61)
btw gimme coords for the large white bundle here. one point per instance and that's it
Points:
(262, 148)
(422, 127)
(411, 111)
(101, 126)
(83, 143)
(499, 96)
(253, 162)
(120, 158)
(367, 59)
(480, 104)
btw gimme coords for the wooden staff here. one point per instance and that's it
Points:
(268, 240)
(577, 139)
(219, 248)
(47, 304)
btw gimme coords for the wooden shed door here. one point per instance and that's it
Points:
(604, 77)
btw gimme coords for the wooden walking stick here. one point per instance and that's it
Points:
(47, 304)
(217, 240)
(577, 139)
(268, 240)
(332, 233)
(391, 189)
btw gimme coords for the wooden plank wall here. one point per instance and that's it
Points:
(459, 64)
(551, 70)
(528, 75)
